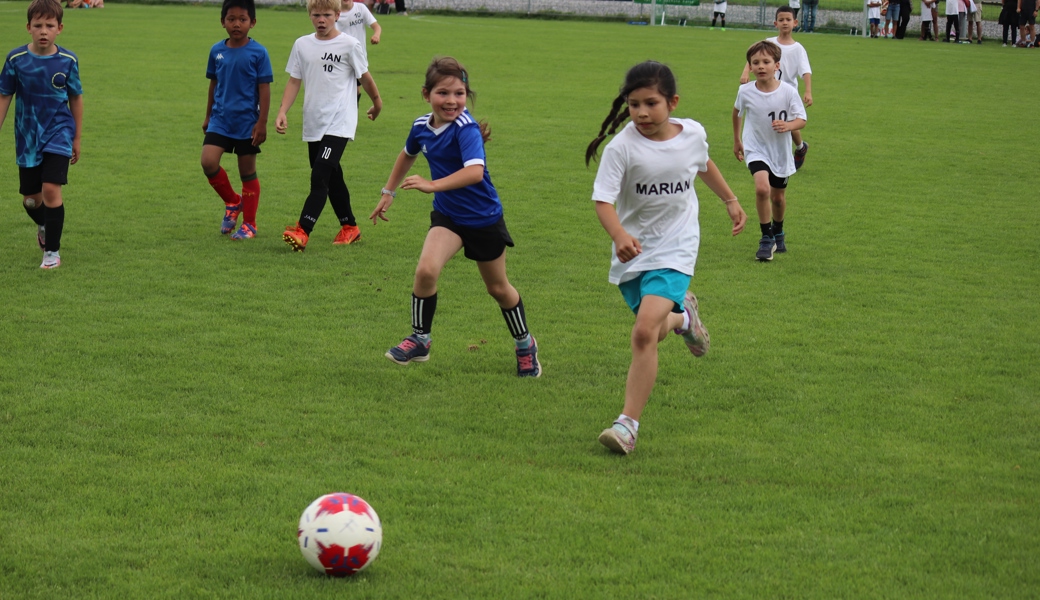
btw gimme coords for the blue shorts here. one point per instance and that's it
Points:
(666, 283)
(893, 12)
(875, 21)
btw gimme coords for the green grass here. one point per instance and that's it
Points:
(864, 426)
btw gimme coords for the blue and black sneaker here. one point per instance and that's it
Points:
(799, 155)
(765, 248)
(527, 364)
(781, 246)
(411, 349)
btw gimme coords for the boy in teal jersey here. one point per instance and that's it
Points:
(48, 121)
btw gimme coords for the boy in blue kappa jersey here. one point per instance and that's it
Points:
(467, 214)
(48, 121)
(240, 76)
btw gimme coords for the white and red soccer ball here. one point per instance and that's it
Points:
(340, 534)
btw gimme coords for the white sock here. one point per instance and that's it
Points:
(685, 321)
(629, 421)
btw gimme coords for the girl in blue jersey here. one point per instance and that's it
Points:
(467, 214)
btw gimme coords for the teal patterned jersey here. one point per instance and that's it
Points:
(41, 86)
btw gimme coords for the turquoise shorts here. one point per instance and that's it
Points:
(666, 283)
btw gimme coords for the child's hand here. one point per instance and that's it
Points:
(281, 124)
(737, 215)
(259, 134)
(780, 126)
(744, 78)
(375, 38)
(205, 125)
(738, 151)
(627, 246)
(807, 99)
(75, 152)
(416, 182)
(374, 111)
(380, 211)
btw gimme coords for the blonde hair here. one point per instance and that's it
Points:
(323, 5)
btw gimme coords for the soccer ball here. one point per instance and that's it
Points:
(340, 534)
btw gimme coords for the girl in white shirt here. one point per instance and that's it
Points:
(645, 200)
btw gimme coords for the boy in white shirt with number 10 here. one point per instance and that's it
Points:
(771, 111)
(329, 63)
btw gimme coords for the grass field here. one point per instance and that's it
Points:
(865, 425)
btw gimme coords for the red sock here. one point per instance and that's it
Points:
(223, 187)
(250, 200)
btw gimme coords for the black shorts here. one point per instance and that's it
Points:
(1026, 18)
(774, 181)
(53, 169)
(329, 149)
(239, 147)
(482, 244)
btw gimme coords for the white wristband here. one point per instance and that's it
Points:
(389, 193)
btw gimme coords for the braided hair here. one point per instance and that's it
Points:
(649, 74)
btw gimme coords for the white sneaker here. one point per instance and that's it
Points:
(619, 438)
(51, 260)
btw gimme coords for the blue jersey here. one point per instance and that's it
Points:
(41, 86)
(449, 149)
(236, 99)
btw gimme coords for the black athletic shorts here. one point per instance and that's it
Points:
(239, 147)
(774, 182)
(1026, 18)
(54, 169)
(482, 244)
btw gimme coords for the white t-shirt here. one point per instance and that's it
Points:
(760, 141)
(794, 62)
(720, 7)
(329, 70)
(873, 12)
(952, 7)
(650, 184)
(795, 3)
(926, 11)
(354, 21)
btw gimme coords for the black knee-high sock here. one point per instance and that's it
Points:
(713, 21)
(723, 21)
(55, 223)
(339, 198)
(778, 228)
(767, 229)
(37, 214)
(315, 202)
(422, 314)
(516, 320)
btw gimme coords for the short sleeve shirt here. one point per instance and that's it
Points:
(236, 98)
(759, 109)
(650, 184)
(329, 70)
(354, 21)
(41, 86)
(794, 62)
(448, 149)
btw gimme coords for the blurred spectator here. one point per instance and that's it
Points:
(928, 20)
(1009, 20)
(809, 15)
(905, 8)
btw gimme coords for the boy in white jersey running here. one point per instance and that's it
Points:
(771, 111)
(794, 65)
